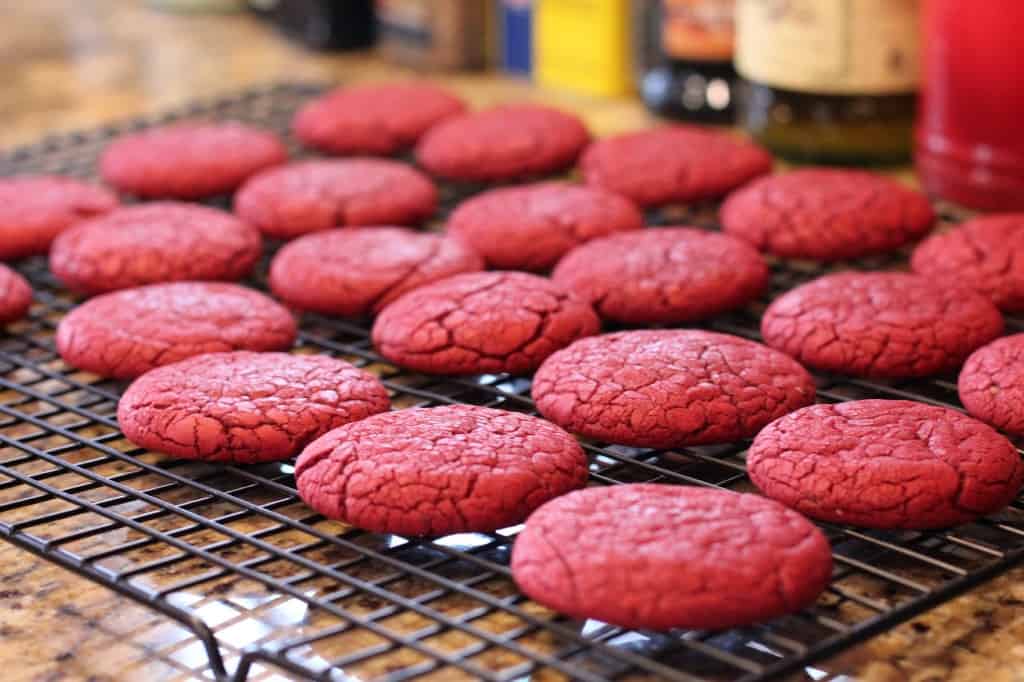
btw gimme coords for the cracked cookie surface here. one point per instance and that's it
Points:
(15, 295)
(309, 196)
(985, 254)
(355, 272)
(246, 407)
(189, 160)
(885, 464)
(482, 322)
(373, 119)
(503, 143)
(673, 164)
(531, 227)
(880, 324)
(991, 384)
(34, 209)
(441, 470)
(668, 388)
(126, 333)
(827, 214)
(162, 241)
(664, 275)
(665, 556)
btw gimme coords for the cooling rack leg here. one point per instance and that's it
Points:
(205, 635)
(269, 655)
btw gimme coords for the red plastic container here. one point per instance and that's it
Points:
(970, 128)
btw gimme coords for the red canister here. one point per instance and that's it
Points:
(970, 129)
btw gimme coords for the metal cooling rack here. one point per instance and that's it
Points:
(272, 590)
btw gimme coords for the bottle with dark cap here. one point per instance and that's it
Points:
(695, 78)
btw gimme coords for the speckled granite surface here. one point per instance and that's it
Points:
(56, 626)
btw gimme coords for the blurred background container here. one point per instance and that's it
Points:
(820, 81)
(584, 45)
(694, 78)
(322, 24)
(970, 135)
(440, 34)
(515, 22)
(829, 81)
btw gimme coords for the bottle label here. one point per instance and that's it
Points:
(700, 30)
(840, 47)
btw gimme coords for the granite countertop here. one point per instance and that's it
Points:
(77, 64)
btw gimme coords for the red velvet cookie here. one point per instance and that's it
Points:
(885, 464)
(665, 556)
(482, 322)
(34, 209)
(991, 384)
(531, 226)
(246, 407)
(310, 196)
(189, 160)
(985, 254)
(441, 470)
(127, 333)
(154, 242)
(880, 324)
(668, 388)
(373, 119)
(827, 214)
(503, 143)
(15, 295)
(673, 164)
(664, 275)
(359, 271)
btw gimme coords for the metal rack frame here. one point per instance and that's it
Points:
(177, 535)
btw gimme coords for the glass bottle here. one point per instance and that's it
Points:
(696, 78)
(829, 81)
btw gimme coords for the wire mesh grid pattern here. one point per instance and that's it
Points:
(269, 589)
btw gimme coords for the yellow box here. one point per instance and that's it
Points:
(583, 45)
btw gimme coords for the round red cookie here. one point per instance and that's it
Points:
(359, 271)
(154, 242)
(482, 322)
(373, 119)
(531, 226)
(880, 324)
(664, 275)
(885, 464)
(441, 470)
(15, 295)
(985, 254)
(991, 384)
(126, 333)
(189, 160)
(673, 164)
(246, 407)
(668, 388)
(311, 196)
(664, 556)
(827, 214)
(34, 209)
(503, 143)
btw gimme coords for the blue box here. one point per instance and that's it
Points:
(516, 17)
